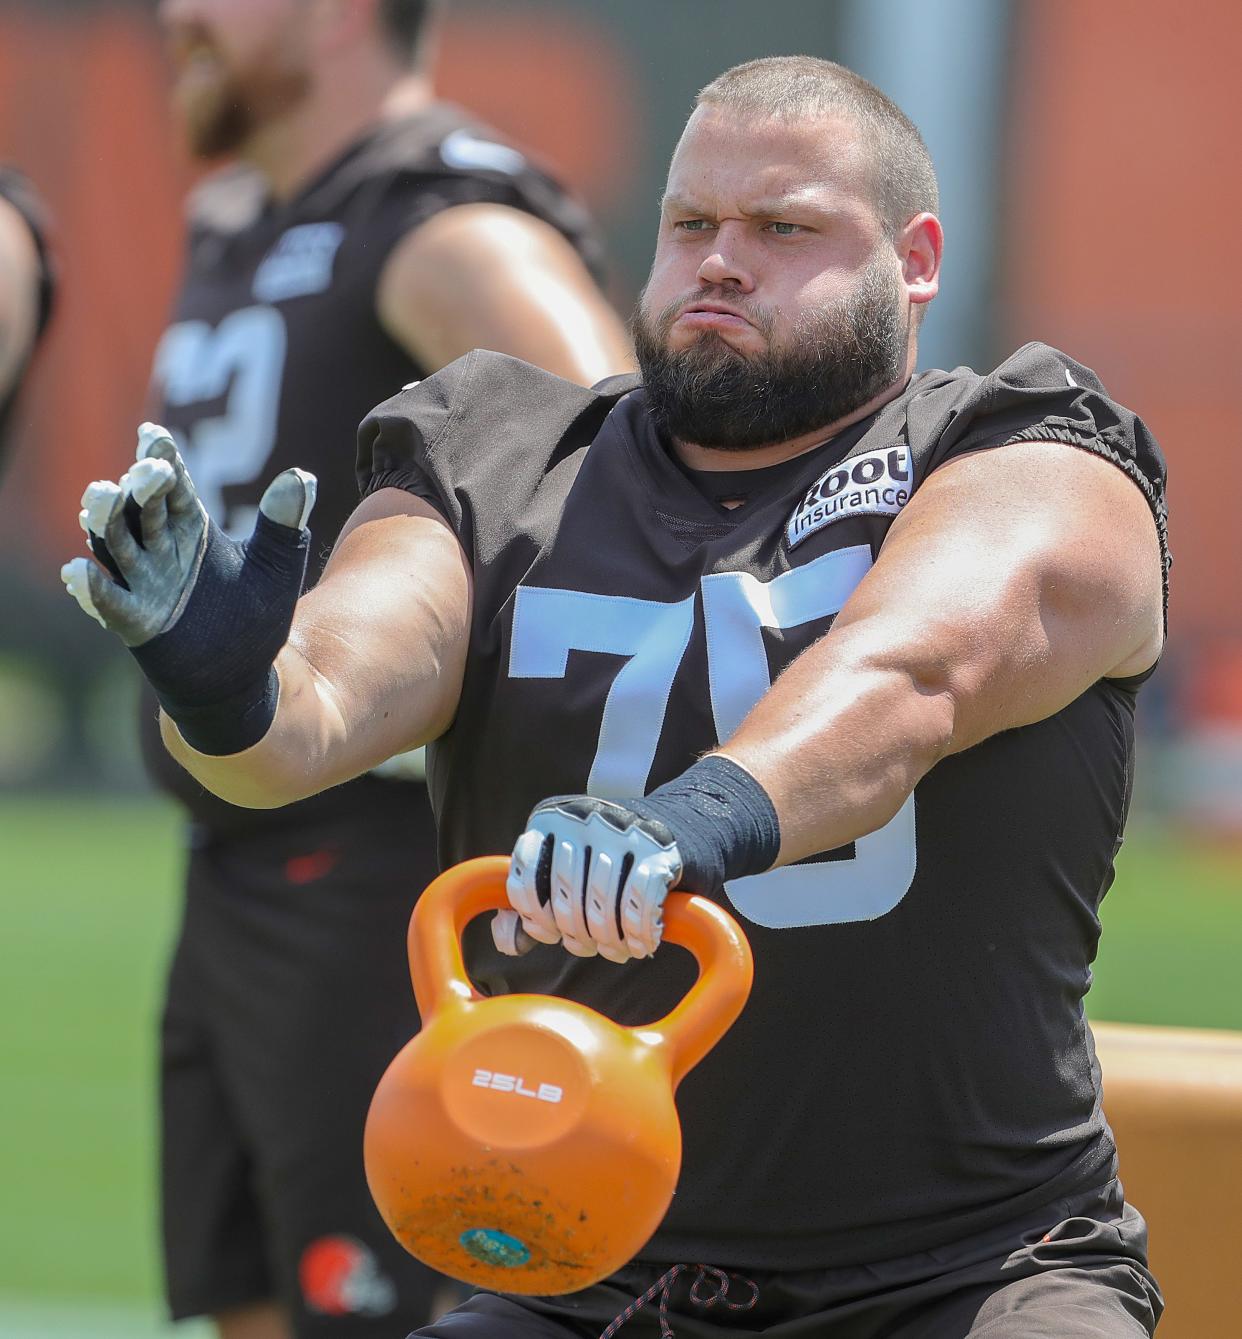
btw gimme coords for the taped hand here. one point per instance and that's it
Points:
(204, 615)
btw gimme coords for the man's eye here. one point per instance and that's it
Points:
(692, 225)
(785, 229)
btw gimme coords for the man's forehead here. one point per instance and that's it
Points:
(776, 156)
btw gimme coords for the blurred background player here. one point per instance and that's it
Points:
(27, 287)
(366, 236)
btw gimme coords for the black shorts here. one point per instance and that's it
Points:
(1076, 1271)
(289, 994)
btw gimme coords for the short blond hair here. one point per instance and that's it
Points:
(793, 87)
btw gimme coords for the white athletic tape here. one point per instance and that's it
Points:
(147, 477)
(97, 503)
(508, 935)
(311, 484)
(76, 576)
(148, 435)
(288, 499)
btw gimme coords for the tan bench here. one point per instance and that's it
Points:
(1174, 1099)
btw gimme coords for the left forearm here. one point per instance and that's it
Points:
(1050, 581)
(841, 740)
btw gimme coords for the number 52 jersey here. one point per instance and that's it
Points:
(914, 1064)
(276, 351)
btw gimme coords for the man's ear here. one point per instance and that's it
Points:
(920, 244)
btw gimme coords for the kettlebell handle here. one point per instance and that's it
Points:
(690, 1030)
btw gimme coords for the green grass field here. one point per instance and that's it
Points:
(90, 908)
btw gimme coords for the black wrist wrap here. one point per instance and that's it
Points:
(230, 725)
(213, 669)
(722, 820)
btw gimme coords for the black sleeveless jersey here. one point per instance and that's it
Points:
(914, 1063)
(276, 353)
(20, 194)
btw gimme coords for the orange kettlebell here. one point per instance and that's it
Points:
(524, 1142)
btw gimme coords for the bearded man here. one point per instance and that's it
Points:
(366, 235)
(853, 650)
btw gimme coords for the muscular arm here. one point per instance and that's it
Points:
(373, 664)
(19, 294)
(1013, 580)
(492, 277)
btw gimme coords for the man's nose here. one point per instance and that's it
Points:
(726, 265)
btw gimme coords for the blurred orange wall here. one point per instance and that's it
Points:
(1124, 187)
(84, 110)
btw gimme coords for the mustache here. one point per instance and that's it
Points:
(761, 317)
(823, 366)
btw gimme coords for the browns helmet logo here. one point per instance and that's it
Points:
(339, 1276)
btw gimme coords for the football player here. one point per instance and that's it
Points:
(365, 235)
(27, 287)
(852, 649)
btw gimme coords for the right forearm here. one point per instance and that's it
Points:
(269, 698)
(308, 747)
(256, 778)
(372, 668)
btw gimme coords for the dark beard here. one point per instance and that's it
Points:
(243, 104)
(832, 362)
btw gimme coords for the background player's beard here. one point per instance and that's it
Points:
(221, 116)
(832, 362)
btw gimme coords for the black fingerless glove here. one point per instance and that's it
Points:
(212, 670)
